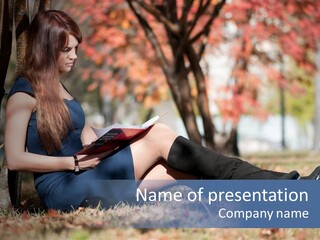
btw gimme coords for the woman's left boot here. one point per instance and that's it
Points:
(192, 158)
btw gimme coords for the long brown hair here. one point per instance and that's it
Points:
(48, 34)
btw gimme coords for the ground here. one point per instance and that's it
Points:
(35, 223)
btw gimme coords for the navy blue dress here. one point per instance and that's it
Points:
(67, 190)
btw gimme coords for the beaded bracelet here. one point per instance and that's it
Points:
(76, 163)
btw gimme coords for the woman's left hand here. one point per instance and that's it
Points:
(91, 161)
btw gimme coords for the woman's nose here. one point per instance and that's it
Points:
(73, 54)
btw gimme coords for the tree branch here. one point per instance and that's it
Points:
(158, 15)
(183, 36)
(177, 42)
(206, 30)
(152, 38)
(185, 11)
(207, 27)
(201, 10)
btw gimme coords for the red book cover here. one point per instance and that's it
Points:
(115, 136)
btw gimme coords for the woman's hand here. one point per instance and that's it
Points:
(91, 161)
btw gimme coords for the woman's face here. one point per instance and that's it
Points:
(68, 55)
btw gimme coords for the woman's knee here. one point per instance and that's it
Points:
(162, 130)
(155, 143)
(161, 126)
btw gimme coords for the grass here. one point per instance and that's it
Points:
(33, 222)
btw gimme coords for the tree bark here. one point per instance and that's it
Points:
(23, 14)
(316, 123)
(183, 53)
(180, 90)
(22, 23)
(176, 73)
(6, 42)
(202, 97)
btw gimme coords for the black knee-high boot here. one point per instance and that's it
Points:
(192, 158)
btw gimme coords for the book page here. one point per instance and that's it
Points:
(101, 131)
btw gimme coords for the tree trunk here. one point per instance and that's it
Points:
(22, 17)
(176, 72)
(6, 42)
(316, 123)
(180, 90)
(22, 23)
(231, 144)
(202, 98)
(5, 54)
(178, 30)
(178, 81)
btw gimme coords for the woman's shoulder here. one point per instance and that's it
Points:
(21, 84)
(21, 96)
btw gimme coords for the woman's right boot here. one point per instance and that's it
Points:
(205, 163)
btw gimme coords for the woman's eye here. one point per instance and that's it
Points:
(65, 50)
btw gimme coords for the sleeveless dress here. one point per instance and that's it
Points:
(67, 190)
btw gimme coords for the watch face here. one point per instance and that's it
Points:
(76, 163)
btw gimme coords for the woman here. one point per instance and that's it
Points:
(45, 128)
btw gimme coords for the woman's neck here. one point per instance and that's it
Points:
(64, 93)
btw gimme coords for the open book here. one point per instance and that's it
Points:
(115, 136)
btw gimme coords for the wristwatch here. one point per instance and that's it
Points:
(76, 163)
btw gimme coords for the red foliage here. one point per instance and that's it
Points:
(125, 61)
(290, 28)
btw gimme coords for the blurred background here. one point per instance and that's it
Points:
(240, 76)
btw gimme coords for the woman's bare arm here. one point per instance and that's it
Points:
(18, 111)
(87, 135)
